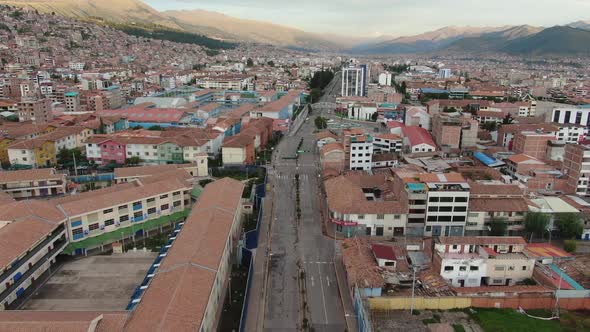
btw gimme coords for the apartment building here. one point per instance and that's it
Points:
(72, 101)
(576, 168)
(454, 131)
(482, 261)
(362, 204)
(494, 201)
(354, 81)
(386, 143)
(35, 110)
(447, 204)
(36, 152)
(361, 152)
(532, 143)
(507, 133)
(43, 182)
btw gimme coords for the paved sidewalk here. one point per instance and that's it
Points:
(349, 313)
(257, 298)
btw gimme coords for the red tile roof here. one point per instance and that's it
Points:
(383, 252)
(418, 135)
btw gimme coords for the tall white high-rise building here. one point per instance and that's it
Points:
(444, 73)
(354, 81)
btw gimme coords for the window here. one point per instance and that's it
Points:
(445, 209)
(107, 211)
(109, 222)
(462, 268)
(151, 200)
(433, 209)
(380, 216)
(164, 207)
(455, 246)
(136, 205)
(459, 218)
(432, 218)
(460, 199)
(446, 199)
(460, 209)
(93, 227)
(499, 268)
(511, 268)
(123, 218)
(164, 196)
(77, 231)
(361, 216)
(396, 217)
(474, 268)
(122, 207)
(137, 214)
(444, 218)
(177, 203)
(151, 210)
(524, 268)
(433, 199)
(176, 193)
(448, 268)
(428, 228)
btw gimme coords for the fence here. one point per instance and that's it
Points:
(251, 244)
(546, 301)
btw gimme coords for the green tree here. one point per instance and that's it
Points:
(570, 225)
(498, 227)
(249, 62)
(66, 157)
(156, 128)
(375, 116)
(536, 222)
(133, 161)
(508, 119)
(321, 123)
(490, 126)
(271, 63)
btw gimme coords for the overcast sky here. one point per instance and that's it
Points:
(370, 18)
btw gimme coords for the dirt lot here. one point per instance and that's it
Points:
(93, 283)
(439, 321)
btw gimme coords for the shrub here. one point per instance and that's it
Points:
(570, 245)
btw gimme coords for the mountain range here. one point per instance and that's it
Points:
(573, 38)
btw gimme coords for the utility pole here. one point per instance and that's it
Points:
(75, 167)
(413, 288)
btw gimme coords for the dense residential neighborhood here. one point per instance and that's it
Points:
(158, 179)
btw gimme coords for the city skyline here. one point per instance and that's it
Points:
(343, 18)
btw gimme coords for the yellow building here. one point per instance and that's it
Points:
(4, 142)
(46, 154)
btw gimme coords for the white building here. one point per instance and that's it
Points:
(361, 153)
(385, 79)
(361, 111)
(383, 143)
(573, 115)
(444, 73)
(354, 81)
(447, 204)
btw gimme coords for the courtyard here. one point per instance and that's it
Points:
(103, 282)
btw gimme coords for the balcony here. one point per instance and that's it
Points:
(58, 248)
(16, 265)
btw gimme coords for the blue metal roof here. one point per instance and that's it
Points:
(434, 91)
(484, 158)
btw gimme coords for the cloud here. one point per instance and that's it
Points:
(391, 17)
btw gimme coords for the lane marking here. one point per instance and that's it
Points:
(323, 297)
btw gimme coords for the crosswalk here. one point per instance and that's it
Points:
(302, 177)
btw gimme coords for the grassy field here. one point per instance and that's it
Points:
(508, 320)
